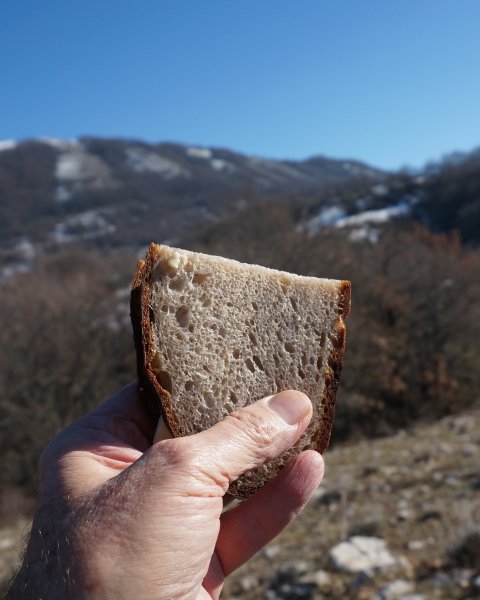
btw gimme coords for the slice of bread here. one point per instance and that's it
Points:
(213, 335)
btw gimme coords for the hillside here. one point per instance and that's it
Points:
(418, 491)
(128, 192)
(108, 194)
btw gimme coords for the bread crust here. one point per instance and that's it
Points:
(335, 362)
(158, 399)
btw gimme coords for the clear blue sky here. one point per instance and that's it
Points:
(391, 82)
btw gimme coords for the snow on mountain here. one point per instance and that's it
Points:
(218, 164)
(196, 152)
(7, 145)
(57, 143)
(327, 216)
(379, 216)
(76, 170)
(142, 160)
(364, 224)
(82, 226)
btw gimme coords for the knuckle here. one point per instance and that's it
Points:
(177, 452)
(254, 426)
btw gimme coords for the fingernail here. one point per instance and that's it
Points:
(291, 406)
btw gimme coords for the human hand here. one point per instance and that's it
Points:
(120, 518)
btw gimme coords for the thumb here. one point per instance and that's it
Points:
(253, 435)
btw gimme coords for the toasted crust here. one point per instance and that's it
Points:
(158, 399)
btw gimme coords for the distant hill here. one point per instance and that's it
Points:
(128, 191)
(111, 193)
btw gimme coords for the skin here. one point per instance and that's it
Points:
(121, 518)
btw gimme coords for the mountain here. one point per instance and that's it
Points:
(128, 192)
(112, 193)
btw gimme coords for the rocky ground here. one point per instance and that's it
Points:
(397, 518)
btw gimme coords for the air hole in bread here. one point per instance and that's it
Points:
(250, 365)
(289, 347)
(164, 308)
(206, 368)
(178, 284)
(189, 385)
(183, 315)
(222, 331)
(254, 306)
(200, 277)
(301, 373)
(253, 338)
(209, 400)
(294, 304)
(258, 362)
(236, 353)
(229, 304)
(323, 339)
(319, 362)
(205, 300)
(213, 326)
(233, 397)
(165, 381)
(190, 328)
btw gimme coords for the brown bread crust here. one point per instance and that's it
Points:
(335, 362)
(158, 400)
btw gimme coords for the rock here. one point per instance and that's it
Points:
(404, 514)
(394, 590)
(295, 591)
(248, 583)
(319, 579)
(469, 450)
(416, 544)
(452, 480)
(360, 553)
(271, 551)
(462, 424)
(294, 568)
(444, 448)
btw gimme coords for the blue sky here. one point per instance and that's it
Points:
(391, 82)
